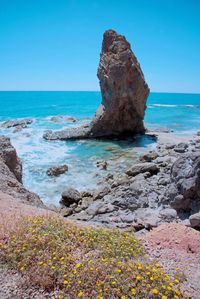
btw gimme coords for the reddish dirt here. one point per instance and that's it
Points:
(177, 246)
(11, 210)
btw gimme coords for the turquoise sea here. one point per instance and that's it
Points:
(179, 112)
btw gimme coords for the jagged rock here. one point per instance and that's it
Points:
(181, 147)
(56, 171)
(70, 196)
(141, 168)
(9, 156)
(15, 123)
(11, 175)
(184, 191)
(124, 94)
(101, 192)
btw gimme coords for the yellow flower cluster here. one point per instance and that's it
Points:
(86, 262)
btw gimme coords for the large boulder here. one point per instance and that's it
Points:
(124, 94)
(70, 196)
(184, 192)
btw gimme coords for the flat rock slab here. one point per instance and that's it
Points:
(143, 167)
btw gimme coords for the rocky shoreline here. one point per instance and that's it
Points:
(162, 187)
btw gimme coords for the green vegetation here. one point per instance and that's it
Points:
(85, 262)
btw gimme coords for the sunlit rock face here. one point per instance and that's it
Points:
(123, 87)
(124, 94)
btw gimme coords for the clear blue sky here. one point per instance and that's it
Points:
(55, 44)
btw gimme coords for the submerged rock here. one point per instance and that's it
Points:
(22, 123)
(56, 171)
(124, 94)
(62, 118)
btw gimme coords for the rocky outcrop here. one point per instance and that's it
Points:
(11, 175)
(124, 94)
(144, 198)
(184, 192)
(9, 156)
(22, 123)
(57, 170)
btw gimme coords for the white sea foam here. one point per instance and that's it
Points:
(164, 105)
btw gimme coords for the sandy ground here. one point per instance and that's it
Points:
(11, 210)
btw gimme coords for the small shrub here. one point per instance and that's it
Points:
(85, 262)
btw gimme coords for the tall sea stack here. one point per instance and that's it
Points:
(123, 88)
(124, 94)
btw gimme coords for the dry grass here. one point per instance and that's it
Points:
(85, 262)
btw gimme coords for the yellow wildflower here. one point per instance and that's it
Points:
(80, 294)
(155, 291)
(65, 282)
(78, 266)
(164, 297)
(138, 277)
(133, 292)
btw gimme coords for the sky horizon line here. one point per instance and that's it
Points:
(56, 45)
(169, 92)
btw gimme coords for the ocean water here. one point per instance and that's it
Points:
(179, 112)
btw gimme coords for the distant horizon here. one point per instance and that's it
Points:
(170, 92)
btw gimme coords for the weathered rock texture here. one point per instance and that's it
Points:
(17, 123)
(184, 193)
(11, 175)
(150, 193)
(124, 94)
(9, 156)
(124, 90)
